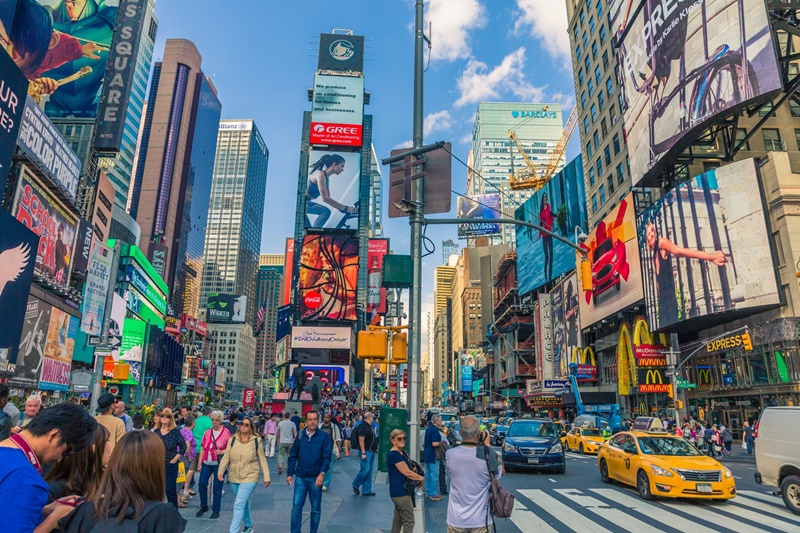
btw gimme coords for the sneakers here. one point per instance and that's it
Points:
(369, 494)
(356, 491)
(214, 515)
(324, 488)
(248, 529)
(201, 512)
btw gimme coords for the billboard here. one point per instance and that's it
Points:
(684, 64)
(283, 322)
(17, 260)
(559, 332)
(119, 76)
(328, 278)
(321, 337)
(56, 227)
(13, 82)
(69, 79)
(337, 112)
(566, 325)
(288, 273)
(116, 325)
(57, 363)
(341, 53)
(613, 260)
(248, 398)
(705, 248)
(83, 246)
(376, 294)
(559, 206)
(332, 189)
(328, 374)
(226, 308)
(30, 356)
(96, 288)
(485, 206)
(44, 145)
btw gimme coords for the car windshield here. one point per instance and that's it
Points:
(591, 432)
(667, 446)
(501, 428)
(532, 428)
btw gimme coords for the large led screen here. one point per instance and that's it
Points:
(559, 206)
(684, 63)
(705, 248)
(328, 278)
(332, 190)
(483, 207)
(613, 265)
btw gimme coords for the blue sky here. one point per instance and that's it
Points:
(261, 55)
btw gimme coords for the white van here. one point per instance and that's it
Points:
(778, 453)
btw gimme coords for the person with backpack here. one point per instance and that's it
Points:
(366, 446)
(727, 439)
(244, 458)
(404, 476)
(212, 449)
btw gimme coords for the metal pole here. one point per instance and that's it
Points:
(98, 368)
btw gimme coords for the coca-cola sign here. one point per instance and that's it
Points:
(313, 300)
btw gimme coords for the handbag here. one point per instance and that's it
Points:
(181, 472)
(501, 502)
(718, 448)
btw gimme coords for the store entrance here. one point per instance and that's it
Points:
(733, 420)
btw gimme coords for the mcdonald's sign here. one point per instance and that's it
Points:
(652, 380)
(704, 376)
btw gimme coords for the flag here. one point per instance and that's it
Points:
(260, 318)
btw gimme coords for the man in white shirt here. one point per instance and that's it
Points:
(287, 432)
(468, 505)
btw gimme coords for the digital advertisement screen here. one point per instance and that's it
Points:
(328, 278)
(327, 374)
(481, 206)
(705, 248)
(376, 294)
(332, 190)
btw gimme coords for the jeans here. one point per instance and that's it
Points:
(432, 479)
(303, 486)
(241, 505)
(284, 449)
(364, 476)
(750, 446)
(207, 472)
(269, 445)
(329, 473)
(403, 521)
(323, 212)
(170, 487)
(442, 478)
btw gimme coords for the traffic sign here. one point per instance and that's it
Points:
(94, 341)
(684, 384)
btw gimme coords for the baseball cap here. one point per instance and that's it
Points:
(105, 401)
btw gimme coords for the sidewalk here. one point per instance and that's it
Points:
(342, 511)
(739, 455)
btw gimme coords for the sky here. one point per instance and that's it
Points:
(261, 55)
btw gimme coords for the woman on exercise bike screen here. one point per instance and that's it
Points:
(318, 198)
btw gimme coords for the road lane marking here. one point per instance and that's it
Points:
(655, 512)
(704, 513)
(553, 480)
(777, 501)
(781, 512)
(619, 517)
(562, 512)
(757, 517)
(527, 521)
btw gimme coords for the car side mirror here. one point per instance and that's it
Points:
(563, 433)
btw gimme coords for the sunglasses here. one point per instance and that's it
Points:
(166, 416)
(400, 438)
(245, 425)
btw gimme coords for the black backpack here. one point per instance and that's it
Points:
(128, 525)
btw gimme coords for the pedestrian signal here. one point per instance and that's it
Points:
(586, 275)
(373, 345)
(399, 348)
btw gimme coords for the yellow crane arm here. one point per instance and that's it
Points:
(525, 178)
(561, 145)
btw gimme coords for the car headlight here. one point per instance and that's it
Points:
(658, 471)
(556, 448)
(509, 447)
(728, 473)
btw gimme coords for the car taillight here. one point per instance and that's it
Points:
(755, 431)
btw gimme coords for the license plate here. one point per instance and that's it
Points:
(704, 487)
(535, 461)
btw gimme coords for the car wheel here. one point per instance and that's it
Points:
(790, 490)
(643, 486)
(580, 448)
(604, 472)
(561, 469)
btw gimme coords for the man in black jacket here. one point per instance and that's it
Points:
(298, 381)
(309, 461)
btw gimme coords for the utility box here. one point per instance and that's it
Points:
(390, 420)
(397, 271)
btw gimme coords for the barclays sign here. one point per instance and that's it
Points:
(534, 114)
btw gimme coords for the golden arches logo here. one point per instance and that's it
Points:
(575, 356)
(704, 376)
(642, 334)
(654, 377)
(588, 357)
(626, 363)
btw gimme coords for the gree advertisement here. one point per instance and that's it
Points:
(328, 278)
(705, 248)
(337, 113)
(57, 362)
(612, 254)
(560, 207)
(341, 53)
(96, 288)
(226, 308)
(482, 206)
(684, 64)
(332, 189)
(376, 294)
(54, 225)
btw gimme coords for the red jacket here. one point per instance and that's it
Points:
(209, 450)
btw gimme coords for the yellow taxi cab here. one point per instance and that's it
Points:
(662, 465)
(584, 440)
(561, 431)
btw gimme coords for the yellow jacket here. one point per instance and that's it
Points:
(244, 460)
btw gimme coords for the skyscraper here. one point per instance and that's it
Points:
(448, 248)
(233, 233)
(172, 185)
(375, 198)
(537, 128)
(268, 292)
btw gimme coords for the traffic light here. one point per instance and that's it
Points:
(399, 348)
(586, 275)
(373, 345)
(678, 404)
(747, 343)
(672, 390)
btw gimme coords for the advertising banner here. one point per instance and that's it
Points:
(705, 248)
(68, 80)
(332, 190)
(482, 206)
(328, 374)
(103, 205)
(376, 294)
(283, 327)
(248, 398)
(321, 337)
(119, 76)
(466, 379)
(132, 346)
(282, 351)
(158, 258)
(83, 246)
(559, 206)
(96, 287)
(570, 331)
(544, 340)
(17, 260)
(116, 326)
(44, 145)
(613, 256)
(288, 273)
(226, 308)
(560, 357)
(341, 53)
(30, 357)
(328, 278)
(12, 105)
(653, 380)
(683, 65)
(57, 363)
(337, 112)
(56, 228)
(142, 283)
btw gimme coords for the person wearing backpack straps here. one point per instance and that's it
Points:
(245, 460)
(404, 476)
(130, 498)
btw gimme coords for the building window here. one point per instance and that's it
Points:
(620, 175)
(591, 176)
(598, 74)
(603, 128)
(587, 63)
(610, 183)
(601, 100)
(583, 99)
(797, 136)
(588, 150)
(741, 133)
(616, 143)
(586, 124)
(599, 7)
(582, 16)
(594, 113)
(607, 154)
(577, 48)
(794, 107)
(599, 167)
(772, 139)
(605, 59)
(585, 40)
(609, 87)
(575, 31)
(596, 140)
(594, 50)
(591, 24)
(580, 75)
(602, 194)
(765, 110)
(602, 35)
(594, 203)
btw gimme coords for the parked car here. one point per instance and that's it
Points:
(778, 453)
(534, 444)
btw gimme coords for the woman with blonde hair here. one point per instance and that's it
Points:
(212, 449)
(401, 469)
(174, 448)
(244, 458)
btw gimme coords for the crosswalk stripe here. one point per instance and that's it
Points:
(527, 521)
(758, 517)
(562, 512)
(616, 516)
(577, 456)
(768, 498)
(703, 512)
(675, 522)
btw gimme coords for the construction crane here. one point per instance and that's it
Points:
(528, 178)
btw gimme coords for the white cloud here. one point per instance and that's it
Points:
(466, 139)
(478, 83)
(546, 21)
(405, 144)
(439, 121)
(451, 22)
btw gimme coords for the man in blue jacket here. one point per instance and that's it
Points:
(309, 460)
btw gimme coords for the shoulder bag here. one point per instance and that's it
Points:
(501, 502)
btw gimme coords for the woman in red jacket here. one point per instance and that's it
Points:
(212, 447)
